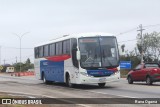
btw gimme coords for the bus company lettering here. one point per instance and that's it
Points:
(45, 63)
(30, 101)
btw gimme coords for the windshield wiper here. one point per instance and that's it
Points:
(95, 57)
(104, 58)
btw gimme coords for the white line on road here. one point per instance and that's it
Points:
(111, 94)
(96, 92)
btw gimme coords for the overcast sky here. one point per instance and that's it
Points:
(49, 19)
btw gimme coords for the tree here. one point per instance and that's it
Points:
(17, 66)
(151, 45)
(131, 56)
(25, 66)
(122, 47)
(28, 61)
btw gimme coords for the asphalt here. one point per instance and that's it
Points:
(31, 87)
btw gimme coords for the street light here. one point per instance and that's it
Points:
(20, 39)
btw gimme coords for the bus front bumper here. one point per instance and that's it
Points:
(92, 80)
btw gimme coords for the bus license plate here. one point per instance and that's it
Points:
(102, 79)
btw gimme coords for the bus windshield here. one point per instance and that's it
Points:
(98, 52)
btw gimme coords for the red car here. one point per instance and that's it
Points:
(149, 72)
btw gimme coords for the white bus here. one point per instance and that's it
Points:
(90, 58)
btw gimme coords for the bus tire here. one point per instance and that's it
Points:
(68, 81)
(44, 79)
(101, 84)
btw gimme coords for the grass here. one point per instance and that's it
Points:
(124, 73)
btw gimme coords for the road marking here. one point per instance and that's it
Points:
(93, 92)
(86, 90)
(111, 94)
(21, 95)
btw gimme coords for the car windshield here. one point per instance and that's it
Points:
(98, 52)
(151, 65)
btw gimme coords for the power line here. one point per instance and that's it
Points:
(127, 31)
(10, 59)
(151, 25)
(134, 29)
(15, 47)
(29, 55)
(127, 40)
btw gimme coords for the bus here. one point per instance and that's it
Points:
(87, 58)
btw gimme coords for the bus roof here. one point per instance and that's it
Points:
(75, 36)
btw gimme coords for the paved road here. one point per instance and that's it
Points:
(33, 87)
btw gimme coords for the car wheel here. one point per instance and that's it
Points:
(149, 80)
(130, 81)
(101, 84)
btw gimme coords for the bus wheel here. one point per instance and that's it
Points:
(45, 81)
(101, 84)
(68, 82)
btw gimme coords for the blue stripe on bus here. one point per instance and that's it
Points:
(103, 72)
(54, 71)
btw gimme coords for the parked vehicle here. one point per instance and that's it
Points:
(10, 69)
(149, 72)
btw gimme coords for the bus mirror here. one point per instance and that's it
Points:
(78, 55)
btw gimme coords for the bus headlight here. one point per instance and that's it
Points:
(116, 72)
(85, 74)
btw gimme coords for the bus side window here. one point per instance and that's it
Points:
(59, 48)
(46, 50)
(40, 51)
(52, 49)
(36, 52)
(74, 50)
(66, 47)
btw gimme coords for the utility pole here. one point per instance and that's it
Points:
(142, 47)
(20, 40)
(16, 60)
(4, 61)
